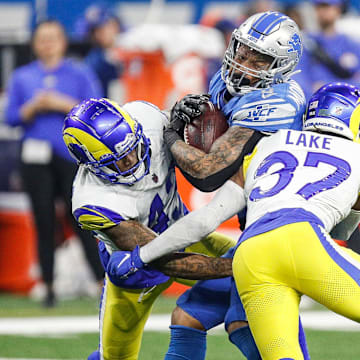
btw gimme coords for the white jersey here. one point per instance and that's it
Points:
(153, 201)
(303, 169)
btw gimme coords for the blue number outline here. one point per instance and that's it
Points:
(286, 173)
(158, 220)
(290, 162)
(342, 172)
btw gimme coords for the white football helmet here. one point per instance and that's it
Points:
(272, 34)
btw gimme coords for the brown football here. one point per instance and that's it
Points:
(206, 128)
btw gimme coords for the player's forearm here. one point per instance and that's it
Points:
(224, 152)
(129, 234)
(194, 266)
(227, 202)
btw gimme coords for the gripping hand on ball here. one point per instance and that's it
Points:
(183, 112)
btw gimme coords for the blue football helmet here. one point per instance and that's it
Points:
(98, 133)
(334, 108)
(274, 36)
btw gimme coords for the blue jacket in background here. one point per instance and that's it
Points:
(70, 78)
(314, 74)
(105, 70)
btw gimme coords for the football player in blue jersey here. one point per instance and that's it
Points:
(125, 191)
(254, 90)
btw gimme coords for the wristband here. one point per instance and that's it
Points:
(170, 137)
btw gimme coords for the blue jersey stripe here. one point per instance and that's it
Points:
(268, 120)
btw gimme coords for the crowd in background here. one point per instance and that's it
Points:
(184, 63)
(154, 62)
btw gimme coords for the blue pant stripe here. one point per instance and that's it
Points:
(351, 267)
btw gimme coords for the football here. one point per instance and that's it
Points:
(206, 128)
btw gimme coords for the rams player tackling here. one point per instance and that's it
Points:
(125, 191)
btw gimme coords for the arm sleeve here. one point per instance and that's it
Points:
(214, 181)
(227, 202)
(344, 229)
(12, 111)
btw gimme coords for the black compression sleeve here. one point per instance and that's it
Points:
(214, 181)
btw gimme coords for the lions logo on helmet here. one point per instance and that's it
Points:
(99, 133)
(274, 36)
(335, 109)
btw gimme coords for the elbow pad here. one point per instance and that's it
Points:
(214, 181)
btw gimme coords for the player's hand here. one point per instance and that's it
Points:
(124, 263)
(183, 112)
(187, 109)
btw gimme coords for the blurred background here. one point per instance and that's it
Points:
(156, 51)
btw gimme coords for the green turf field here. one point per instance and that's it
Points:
(323, 345)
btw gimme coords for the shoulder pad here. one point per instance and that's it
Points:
(96, 217)
(277, 107)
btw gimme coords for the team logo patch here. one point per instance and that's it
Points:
(260, 112)
(295, 45)
(338, 110)
(313, 104)
(155, 178)
(251, 38)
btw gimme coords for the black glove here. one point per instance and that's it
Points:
(183, 112)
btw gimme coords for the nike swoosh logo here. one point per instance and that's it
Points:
(123, 260)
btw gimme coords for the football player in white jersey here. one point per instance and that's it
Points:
(298, 186)
(254, 90)
(125, 191)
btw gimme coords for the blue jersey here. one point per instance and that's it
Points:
(279, 106)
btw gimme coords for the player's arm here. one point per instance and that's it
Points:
(129, 234)
(228, 201)
(224, 152)
(207, 172)
(193, 266)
